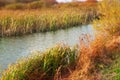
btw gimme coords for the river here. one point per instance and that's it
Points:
(13, 48)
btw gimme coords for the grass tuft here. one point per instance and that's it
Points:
(42, 65)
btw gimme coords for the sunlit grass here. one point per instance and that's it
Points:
(109, 21)
(97, 61)
(23, 20)
(100, 60)
(18, 22)
(42, 65)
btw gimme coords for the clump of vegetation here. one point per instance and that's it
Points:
(14, 23)
(15, 6)
(30, 4)
(112, 72)
(95, 58)
(43, 65)
(109, 21)
(35, 5)
(56, 63)
(99, 60)
(41, 4)
(41, 16)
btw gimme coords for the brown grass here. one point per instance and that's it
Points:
(94, 58)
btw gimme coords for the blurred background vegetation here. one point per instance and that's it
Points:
(4, 2)
(37, 4)
(21, 2)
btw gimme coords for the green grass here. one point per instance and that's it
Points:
(112, 72)
(108, 24)
(42, 65)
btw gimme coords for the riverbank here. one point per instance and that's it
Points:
(20, 22)
(95, 59)
(62, 62)
(80, 63)
(21, 46)
(43, 65)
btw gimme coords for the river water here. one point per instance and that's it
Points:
(14, 48)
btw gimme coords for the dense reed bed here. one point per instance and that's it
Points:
(18, 22)
(89, 63)
(100, 60)
(109, 22)
(96, 58)
(62, 63)
(48, 65)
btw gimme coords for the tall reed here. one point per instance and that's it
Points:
(43, 65)
(109, 21)
(14, 23)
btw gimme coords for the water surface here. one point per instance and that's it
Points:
(14, 48)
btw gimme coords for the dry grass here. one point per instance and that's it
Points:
(94, 58)
(101, 52)
(14, 23)
(110, 20)
(31, 18)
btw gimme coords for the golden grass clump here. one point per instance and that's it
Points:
(109, 21)
(18, 22)
(95, 58)
(100, 54)
(41, 16)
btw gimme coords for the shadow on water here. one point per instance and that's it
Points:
(13, 48)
